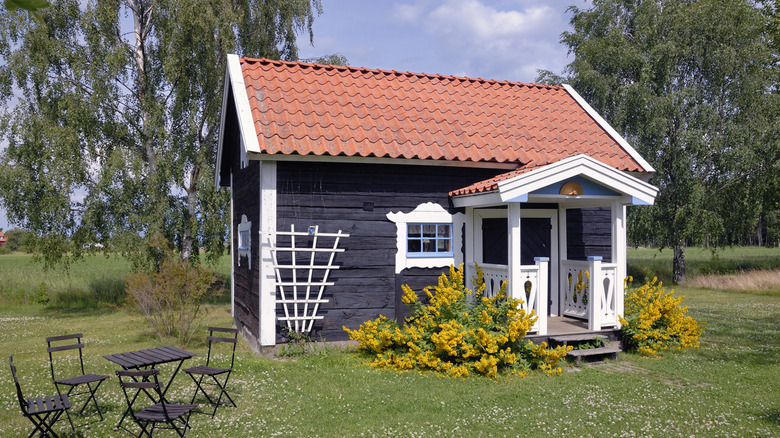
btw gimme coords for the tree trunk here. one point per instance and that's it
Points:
(678, 265)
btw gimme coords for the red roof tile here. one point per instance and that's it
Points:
(301, 108)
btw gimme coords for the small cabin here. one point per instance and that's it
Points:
(347, 183)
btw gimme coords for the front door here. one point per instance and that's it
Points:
(537, 236)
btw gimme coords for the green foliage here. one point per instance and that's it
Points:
(458, 333)
(16, 240)
(297, 344)
(40, 295)
(656, 320)
(114, 114)
(692, 85)
(591, 343)
(29, 5)
(171, 297)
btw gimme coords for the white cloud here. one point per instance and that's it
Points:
(498, 40)
(473, 20)
(408, 13)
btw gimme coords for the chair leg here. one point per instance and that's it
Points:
(222, 392)
(70, 389)
(93, 397)
(200, 388)
(44, 425)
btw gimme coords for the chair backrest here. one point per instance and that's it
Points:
(222, 339)
(141, 380)
(73, 344)
(22, 401)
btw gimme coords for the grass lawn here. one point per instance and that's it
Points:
(728, 387)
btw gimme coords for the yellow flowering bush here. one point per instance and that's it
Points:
(656, 320)
(459, 332)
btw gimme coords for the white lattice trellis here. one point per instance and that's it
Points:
(303, 275)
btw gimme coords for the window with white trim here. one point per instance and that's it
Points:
(429, 240)
(427, 237)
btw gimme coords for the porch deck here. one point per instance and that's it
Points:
(564, 325)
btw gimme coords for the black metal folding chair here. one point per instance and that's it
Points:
(91, 381)
(43, 411)
(214, 373)
(176, 416)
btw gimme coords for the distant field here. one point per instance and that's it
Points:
(645, 263)
(94, 281)
(99, 280)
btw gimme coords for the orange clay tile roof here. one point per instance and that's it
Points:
(312, 109)
(491, 184)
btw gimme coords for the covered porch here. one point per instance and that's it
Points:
(557, 236)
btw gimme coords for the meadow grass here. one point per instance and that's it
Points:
(727, 387)
(645, 263)
(91, 283)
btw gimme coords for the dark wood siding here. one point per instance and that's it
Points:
(589, 233)
(356, 198)
(246, 201)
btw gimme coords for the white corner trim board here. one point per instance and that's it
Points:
(430, 213)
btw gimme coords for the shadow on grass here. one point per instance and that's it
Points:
(772, 417)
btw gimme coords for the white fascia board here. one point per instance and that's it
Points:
(483, 199)
(574, 166)
(607, 127)
(245, 121)
(382, 160)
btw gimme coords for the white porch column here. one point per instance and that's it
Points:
(267, 238)
(619, 255)
(542, 263)
(596, 294)
(470, 239)
(563, 254)
(515, 283)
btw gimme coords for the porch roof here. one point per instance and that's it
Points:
(528, 183)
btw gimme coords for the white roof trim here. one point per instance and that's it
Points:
(245, 121)
(234, 80)
(521, 185)
(610, 130)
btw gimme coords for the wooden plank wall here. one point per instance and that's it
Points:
(589, 233)
(246, 192)
(356, 198)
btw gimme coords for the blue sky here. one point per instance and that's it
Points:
(491, 39)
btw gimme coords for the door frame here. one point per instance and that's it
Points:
(475, 244)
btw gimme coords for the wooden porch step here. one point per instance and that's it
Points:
(594, 352)
(566, 339)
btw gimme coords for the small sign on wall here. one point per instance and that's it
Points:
(245, 241)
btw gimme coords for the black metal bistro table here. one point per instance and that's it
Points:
(150, 358)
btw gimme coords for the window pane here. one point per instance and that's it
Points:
(429, 230)
(444, 245)
(429, 245)
(414, 245)
(444, 231)
(413, 230)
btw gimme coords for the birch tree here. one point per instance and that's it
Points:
(112, 117)
(692, 84)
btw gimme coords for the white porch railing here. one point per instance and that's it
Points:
(532, 290)
(590, 290)
(494, 275)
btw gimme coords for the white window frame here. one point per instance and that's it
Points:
(427, 213)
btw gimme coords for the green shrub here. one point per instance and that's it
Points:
(656, 320)
(458, 334)
(171, 298)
